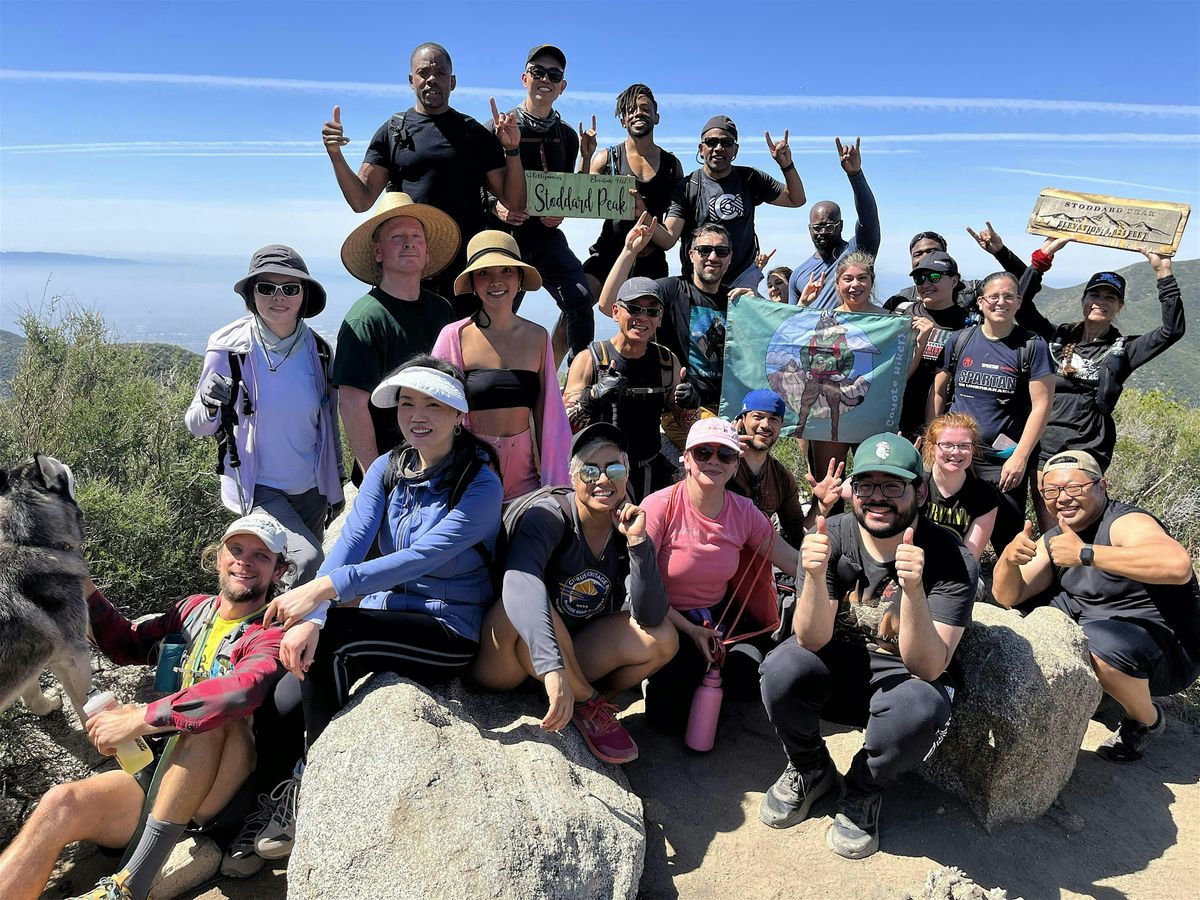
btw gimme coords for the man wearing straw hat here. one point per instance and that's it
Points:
(393, 250)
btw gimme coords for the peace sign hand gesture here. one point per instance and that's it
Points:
(850, 156)
(507, 130)
(640, 234)
(780, 152)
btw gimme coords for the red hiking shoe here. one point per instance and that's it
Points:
(596, 720)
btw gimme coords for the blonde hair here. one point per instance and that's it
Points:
(863, 260)
(943, 423)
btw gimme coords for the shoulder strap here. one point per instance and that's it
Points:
(614, 159)
(599, 351)
(666, 366)
(960, 343)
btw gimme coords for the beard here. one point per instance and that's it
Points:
(235, 594)
(904, 516)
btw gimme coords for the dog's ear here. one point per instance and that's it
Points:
(55, 476)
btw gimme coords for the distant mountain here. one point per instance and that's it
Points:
(1178, 369)
(20, 258)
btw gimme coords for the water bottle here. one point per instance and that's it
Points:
(133, 755)
(706, 709)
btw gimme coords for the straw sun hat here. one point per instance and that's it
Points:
(495, 248)
(442, 237)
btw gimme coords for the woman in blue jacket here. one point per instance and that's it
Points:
(432, 506)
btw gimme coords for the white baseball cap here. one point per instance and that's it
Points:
(264, 527)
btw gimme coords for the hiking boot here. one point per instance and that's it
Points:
(239, 859)
(1130, 739)
(279, 834)
(789, 799)
(110, 887)
(854, 833)
(607, 738)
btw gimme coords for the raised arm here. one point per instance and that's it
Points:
(638, 239)
(508, 183)
(781, 152)
(1143, 348)
(866, 230)
(361, 190)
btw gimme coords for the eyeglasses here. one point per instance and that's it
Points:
(705, 452)
(718, 250)
(267, 289)
(826, 227)
(713, 143)
(998, 298)
(650, 312)
(1071, 490)
(890, 489)
(947, 447)
(541, 73)
(616, 472)
(931, 277)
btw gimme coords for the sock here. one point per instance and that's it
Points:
(158, 839)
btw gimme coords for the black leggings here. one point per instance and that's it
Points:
(355, 642)
(1010, 515)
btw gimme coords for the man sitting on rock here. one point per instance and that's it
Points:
(884, 597)
(230, 666)
(1112, 568)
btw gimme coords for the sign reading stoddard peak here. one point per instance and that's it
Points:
(1110, 221)
(579, 196)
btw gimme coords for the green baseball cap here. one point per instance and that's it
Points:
(889, 453)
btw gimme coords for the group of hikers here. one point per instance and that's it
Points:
(505, 529)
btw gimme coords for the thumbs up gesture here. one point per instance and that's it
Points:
(332, 133)
(910, 563)
(814, 552)
(1065, 547)
(686, 395)
(1022, 548)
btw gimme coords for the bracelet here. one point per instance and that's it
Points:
(512, 151)
(789, 168)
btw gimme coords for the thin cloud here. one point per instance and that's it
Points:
(677, 100)
(1088, 178)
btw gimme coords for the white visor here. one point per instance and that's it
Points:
(431, 382)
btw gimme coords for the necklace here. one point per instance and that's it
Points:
(285, 345)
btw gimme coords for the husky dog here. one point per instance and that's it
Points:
(43, 615)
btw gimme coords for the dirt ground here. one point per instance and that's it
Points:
(1117, 831)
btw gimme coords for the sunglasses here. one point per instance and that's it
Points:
(931, 277)
(616, 472)
(267, 289)
(714, 249)
(650, 312)
(713, 143)
(705, 452)
(541, 73)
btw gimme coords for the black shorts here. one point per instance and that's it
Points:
(228, 821)
(1142, 649)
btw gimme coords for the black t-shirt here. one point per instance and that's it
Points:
(869, 594)
(693, 328)
(1086, 593)
(441, 160)
(379, 333)
(974, 499)
(729, 202)
(916, 391)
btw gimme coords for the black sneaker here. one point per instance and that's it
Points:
(1129, 740)
(854, 833)
(793, 793)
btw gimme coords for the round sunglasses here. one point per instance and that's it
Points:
(616, 472)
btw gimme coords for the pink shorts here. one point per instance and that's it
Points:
(518, 462)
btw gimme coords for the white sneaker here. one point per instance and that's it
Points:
(276, 838)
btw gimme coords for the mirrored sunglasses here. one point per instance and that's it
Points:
(931, 277)
(616, 473)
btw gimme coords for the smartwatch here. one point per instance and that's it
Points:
(1086, 554)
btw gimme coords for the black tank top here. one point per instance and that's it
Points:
(656, 194)
(1088, 593)
(502, 389)
(640, 409)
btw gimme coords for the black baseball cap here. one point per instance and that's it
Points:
(723, 122)
(1108, 280)
(936, 261)
(609, 432)
(547, 50)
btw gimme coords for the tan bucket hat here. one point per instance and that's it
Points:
(495, 248)
(442, 237)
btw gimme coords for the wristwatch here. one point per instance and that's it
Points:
(1086, 554)
(512, 151)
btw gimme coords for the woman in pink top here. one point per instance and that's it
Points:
(715, 549)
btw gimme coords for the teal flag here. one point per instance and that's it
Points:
(841, 374)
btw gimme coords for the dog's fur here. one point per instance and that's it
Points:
(43, 615)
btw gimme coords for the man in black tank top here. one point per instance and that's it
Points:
(631, 382)
(1113, 569)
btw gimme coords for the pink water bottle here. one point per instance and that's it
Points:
(706, 709)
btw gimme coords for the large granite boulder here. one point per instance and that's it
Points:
(411, 793)
(1028, 693)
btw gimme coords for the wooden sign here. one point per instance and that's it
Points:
(579, 196)
(1110, 221)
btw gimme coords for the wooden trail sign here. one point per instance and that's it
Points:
(579, 196)
(1118, 222)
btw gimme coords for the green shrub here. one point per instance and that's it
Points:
(114, 413)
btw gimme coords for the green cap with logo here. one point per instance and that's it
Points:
(891, 454)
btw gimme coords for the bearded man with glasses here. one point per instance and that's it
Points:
(1115, 570)
(884, 596)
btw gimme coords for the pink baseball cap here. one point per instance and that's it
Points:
(713, 431)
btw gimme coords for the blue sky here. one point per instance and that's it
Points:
(152, 130)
